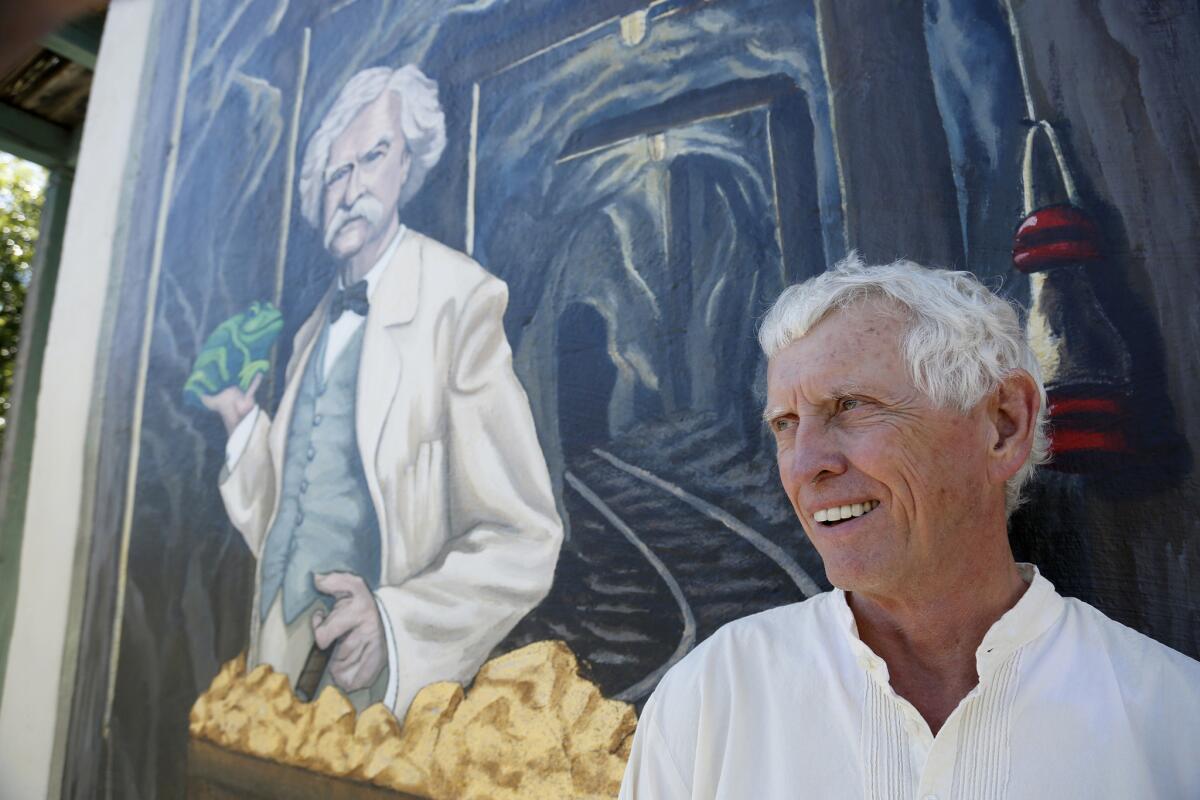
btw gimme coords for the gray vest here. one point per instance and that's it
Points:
(325, 522)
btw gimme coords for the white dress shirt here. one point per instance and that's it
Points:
(340, 333)
(790, 703)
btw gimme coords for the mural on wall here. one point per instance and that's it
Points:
(400, 508)
(431, 431)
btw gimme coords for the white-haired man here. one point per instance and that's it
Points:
(399, 504)
(908, 412)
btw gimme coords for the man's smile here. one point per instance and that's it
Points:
(835, 515)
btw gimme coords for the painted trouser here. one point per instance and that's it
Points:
(286, 647)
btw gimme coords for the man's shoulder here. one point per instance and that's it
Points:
(756, 642)
(778, 626)
(450, 269)
(1133, 655)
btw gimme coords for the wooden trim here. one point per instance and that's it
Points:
(22, 417)
(214, 773)
(34, 139)
(77, 41)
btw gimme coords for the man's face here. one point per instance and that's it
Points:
(368, 165)
(852, 430)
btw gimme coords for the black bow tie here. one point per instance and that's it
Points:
(352, 299)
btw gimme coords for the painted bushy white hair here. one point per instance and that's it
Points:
(962, 338)
(421, 121)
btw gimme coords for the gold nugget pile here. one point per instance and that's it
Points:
(530, 727)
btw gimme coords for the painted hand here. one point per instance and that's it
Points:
(354, 624)
(232, 403)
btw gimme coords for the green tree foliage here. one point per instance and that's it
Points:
(21, 188)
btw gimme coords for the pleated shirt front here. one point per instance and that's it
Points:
(790, 703)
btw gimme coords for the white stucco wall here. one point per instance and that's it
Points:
(39, 672)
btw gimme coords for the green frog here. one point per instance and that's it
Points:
(234, 353)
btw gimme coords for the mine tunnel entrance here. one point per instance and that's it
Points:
(586, 378)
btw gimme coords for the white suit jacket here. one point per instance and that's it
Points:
(470, 534)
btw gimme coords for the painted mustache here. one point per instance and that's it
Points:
(366, 207)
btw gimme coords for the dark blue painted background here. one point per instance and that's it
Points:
(644, 201)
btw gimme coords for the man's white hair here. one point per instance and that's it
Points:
(421, 122)
(962, 339)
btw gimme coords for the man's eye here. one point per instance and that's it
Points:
(338, 174)
(849, 404)
(781, 424)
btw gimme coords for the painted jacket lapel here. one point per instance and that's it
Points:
(393, 305)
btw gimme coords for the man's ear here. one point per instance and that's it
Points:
(1012, 413)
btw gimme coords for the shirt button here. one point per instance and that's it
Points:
(303, 487)
(300, 521)
(312, 453)
(317, 419)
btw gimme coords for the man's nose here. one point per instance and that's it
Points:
(354, 188)
(814, 454)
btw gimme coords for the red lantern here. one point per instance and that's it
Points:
(1085, 361)
(1055, 236)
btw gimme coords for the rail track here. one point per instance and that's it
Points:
(649, 571)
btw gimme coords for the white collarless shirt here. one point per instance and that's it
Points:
(340, 333)
(790, 703)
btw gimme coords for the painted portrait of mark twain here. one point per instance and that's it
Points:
(398, 503)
